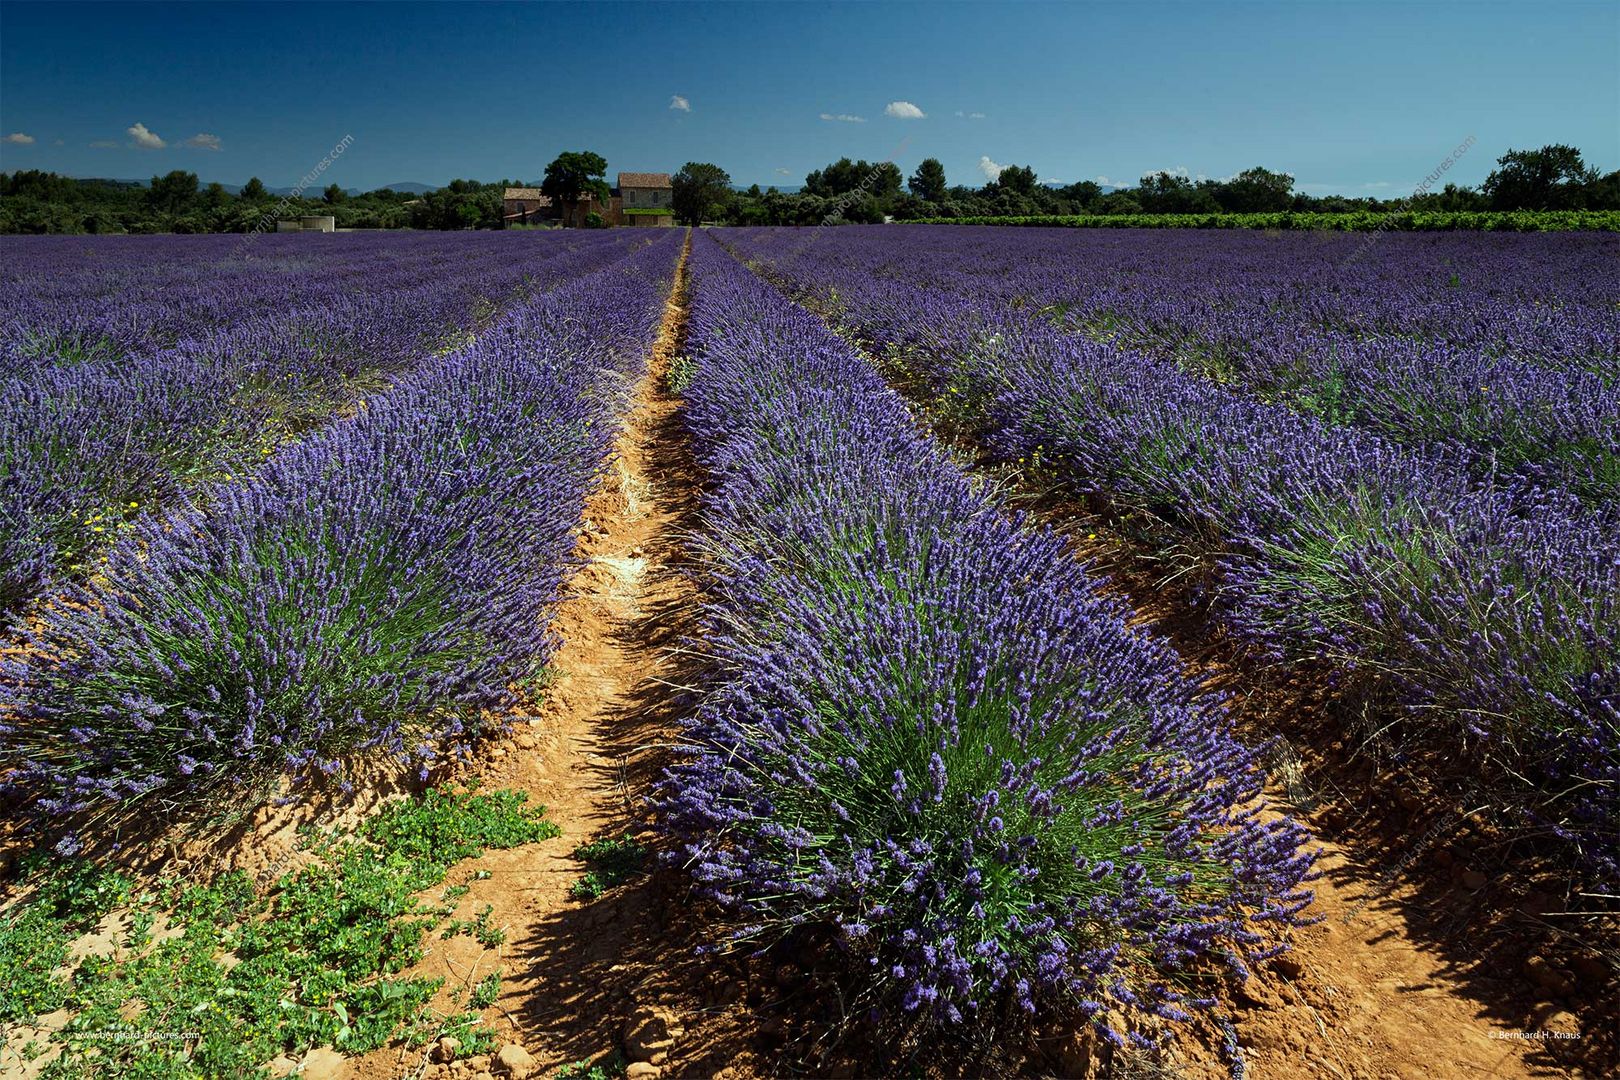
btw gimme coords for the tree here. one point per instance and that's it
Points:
(928, 182)
(701, 191)
(460, 204)
(253, 190)
(1255, 191)
(1604, 194)
(573, 174)
(1017, 179)
(1083, 193)
(881, 180)
(1168, 193)
(1552, 178)
(216, 196)
(333, 195)
(174, 193)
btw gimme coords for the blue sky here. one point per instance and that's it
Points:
(1359, 98)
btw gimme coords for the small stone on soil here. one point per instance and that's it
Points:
(515, 1061)
(650, 1033)
(322, 1063)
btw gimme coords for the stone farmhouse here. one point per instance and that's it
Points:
(641, 200)
(644, 198)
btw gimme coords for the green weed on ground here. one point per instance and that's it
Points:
(230, 979)
(609, 1069)
(613, 862)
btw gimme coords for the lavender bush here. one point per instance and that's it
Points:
(377, 586)
(1492, 611)
(1500, 352)
(90, 439)
(933, 733)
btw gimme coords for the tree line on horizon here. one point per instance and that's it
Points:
(1553, 177)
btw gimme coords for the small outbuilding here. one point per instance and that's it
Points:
(309, 223)
(525, 205)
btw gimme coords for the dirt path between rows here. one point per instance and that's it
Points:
(618, 980)
(587, 755)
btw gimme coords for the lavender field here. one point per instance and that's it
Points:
(276, 514)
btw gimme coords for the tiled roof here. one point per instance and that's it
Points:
(527, 193)
(644, 180)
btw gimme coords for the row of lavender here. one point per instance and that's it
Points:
(380, 585)
(929, 729)
(69, 301)
(1493, 614)
(87, 444)
(1501, 353)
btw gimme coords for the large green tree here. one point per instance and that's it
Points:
(173, 193)
(1552, 178)
(881, 180)
(253, 190)
(573, 174)
(701, 192)
(1171, 193)
(1018, 179)
(928, 182)
(1255, 191)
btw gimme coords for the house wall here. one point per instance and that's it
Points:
(638, 198)
(574, 215)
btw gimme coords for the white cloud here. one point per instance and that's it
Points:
(19, 138)
(990, 169)
(145, 139)
(784, 172)
(59, 142)
(1105, 182)
(104, 144)
(1377, 184)
(679, 104)
(201, 141)
(970, 115)
(903, 110)
(843, 118)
